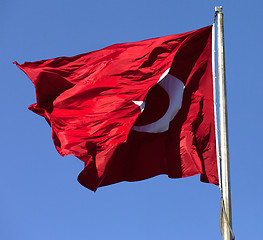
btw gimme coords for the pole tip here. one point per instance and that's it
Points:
(218, 9)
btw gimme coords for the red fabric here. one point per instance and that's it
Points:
(88, 102)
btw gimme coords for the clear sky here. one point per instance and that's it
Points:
(40, 196)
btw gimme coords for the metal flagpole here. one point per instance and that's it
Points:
(226, 215)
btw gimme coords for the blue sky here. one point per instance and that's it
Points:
(40, 196)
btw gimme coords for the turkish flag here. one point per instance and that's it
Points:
(132, 111)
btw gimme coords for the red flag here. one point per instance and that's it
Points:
(133, 111)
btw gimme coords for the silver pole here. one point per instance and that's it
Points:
(226, 215)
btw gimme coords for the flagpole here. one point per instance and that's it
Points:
(226, 215)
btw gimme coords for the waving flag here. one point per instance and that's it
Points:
(132, 111)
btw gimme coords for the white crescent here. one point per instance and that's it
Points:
(175, 89)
